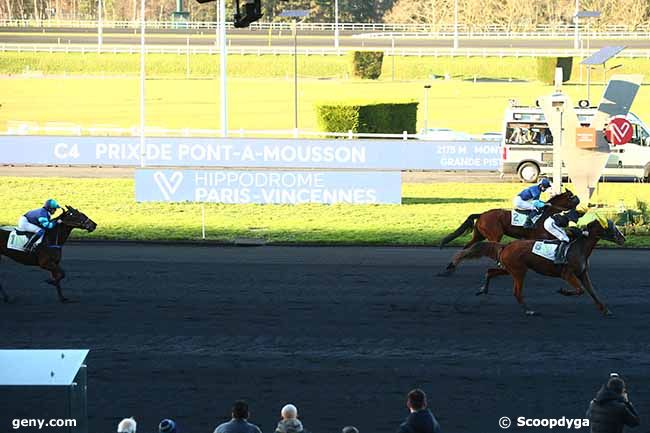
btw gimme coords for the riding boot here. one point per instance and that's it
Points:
(528, 224)
(30, 245)
(560, 253)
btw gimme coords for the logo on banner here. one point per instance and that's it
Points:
(619, 131)
(168, 185)
(586, 138)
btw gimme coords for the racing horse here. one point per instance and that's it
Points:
(495, 223)
(48, 254)
(517, 257)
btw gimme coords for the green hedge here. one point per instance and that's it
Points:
(382, 118)
(546, 68)
(366, 64)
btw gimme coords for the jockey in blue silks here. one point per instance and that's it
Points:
(528, 200)
(37, 221)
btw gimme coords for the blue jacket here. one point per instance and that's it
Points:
(421, 421)
(531, 193)
(40, 217)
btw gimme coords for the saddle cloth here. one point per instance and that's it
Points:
(17, 239)
(518, 218)
(548, 250)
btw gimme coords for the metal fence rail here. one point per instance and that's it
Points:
(560, 30)
(314, 51)
(15, 127)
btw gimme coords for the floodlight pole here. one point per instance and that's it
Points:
(426, 107)
(455, 24)
(576, 34)
(142, 77)
(589, 83)
(100, 24)
(295, 77)
(336, 24)
(222, 56)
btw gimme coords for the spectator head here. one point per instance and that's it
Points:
(240, 410)
(167, 426)
(416, 400)
(127, 425)
(616, 384)
(289, 411)
(349, 429)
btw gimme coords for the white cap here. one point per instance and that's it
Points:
(289, 411)
(127, 425)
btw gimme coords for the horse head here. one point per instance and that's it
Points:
(606, 229)
(565, 201)
(75, 219)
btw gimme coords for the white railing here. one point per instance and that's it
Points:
(503, 35)
(561, 30)
(53, 128)
(316, 51)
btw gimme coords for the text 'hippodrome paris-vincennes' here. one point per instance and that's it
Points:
(275, 187)
(206, 152)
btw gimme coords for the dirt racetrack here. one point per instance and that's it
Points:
(344, 333)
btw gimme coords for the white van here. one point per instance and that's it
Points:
(527, 145)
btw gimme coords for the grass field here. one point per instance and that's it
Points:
(262, 103)
(280, 66)
(428, 212)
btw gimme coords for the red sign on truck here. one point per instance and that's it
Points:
(619, 130)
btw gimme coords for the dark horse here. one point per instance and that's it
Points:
(495, 223)
(516, 258)
(48, 254)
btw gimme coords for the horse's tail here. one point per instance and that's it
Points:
(478, 250)
(464, 228)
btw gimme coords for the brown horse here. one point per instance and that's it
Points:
(48, 254)
(495, 223)
(516, 258)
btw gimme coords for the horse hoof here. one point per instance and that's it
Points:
(481, 292)
(51, 282)
(531, 313)
(608, 313)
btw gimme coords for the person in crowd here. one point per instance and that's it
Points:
(127, 425)
(167, 426)
(420, 419)
(289, 422)
(611, 410)
(239, 422)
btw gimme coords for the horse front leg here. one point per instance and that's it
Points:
(57, 274)
(518, 292)
(586, 282)
(5, 297)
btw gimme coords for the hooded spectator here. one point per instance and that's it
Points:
(167, 426)
(612, 410)
(420, 420)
